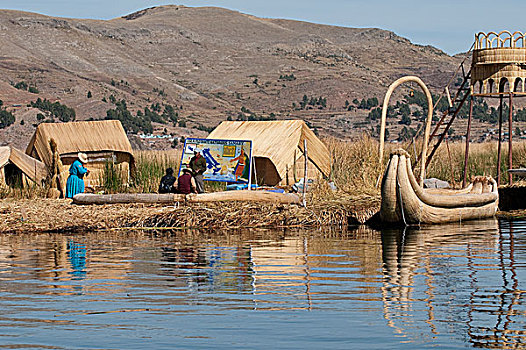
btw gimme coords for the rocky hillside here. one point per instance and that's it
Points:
(208, 64)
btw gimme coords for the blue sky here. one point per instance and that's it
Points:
(449, 25)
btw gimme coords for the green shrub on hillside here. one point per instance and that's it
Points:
(132, 124)
(22, 85)
(56, 109)
(6, 118)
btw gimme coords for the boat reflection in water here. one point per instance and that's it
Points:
(464, 275)
(441, 286)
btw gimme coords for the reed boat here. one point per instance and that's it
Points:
(171, 199)
(405, 201)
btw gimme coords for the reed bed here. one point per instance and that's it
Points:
(150, 167)
(355, 165)
(448, 162)
(52, 215)
(28, 191)
(237, 215)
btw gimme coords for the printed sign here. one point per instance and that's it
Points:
(226, 160)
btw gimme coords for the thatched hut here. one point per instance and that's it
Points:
(19, 169)
(105, 142)
(277, 148)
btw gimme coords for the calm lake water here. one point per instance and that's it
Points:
(454, 286)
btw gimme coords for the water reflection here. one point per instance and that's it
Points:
(441, 285)
(77, 259)
(465, 275)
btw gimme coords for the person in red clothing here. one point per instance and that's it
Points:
(185, 184)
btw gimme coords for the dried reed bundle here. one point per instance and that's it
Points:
(52, 215)
(244, 214)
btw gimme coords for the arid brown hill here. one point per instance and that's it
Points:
(209, 63)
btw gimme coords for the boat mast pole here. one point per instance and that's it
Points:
(305, 179)
(510, 145)
(468, 132)
(499, 147)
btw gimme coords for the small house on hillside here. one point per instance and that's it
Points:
(277, 148)
(104, 142)
(17, 169)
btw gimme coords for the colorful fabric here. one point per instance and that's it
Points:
(242, 171)
(75, 183)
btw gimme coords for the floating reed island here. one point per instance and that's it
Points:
(54, 215)
(355, 173)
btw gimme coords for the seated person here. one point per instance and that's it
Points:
(167, 182)
(185, 184)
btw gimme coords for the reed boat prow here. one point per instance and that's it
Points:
(405, 201)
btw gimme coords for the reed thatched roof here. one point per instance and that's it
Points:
(91, 136)
(277, 141)
(31, 167)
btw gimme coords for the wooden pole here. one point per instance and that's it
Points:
(499, 147)
(466, 154)
(294, 167)
(450, 162)
(254, 169)
(510, 145)
(251, 167)
(305, 172)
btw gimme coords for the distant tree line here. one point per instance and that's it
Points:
(311, 102)
(247, 115)
(55, 109)
(414, 107)
(365, 104)
(6, 118)
(22, 85)
(287, 77)
(142, 121)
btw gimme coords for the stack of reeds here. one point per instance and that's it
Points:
(245, 214)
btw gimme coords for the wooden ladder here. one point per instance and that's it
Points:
(448, 117)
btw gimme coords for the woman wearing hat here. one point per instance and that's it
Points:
(75, 183)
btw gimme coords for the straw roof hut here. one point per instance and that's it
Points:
(277, 148)
(103, 141)
(16, 167)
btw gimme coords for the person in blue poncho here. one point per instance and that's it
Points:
(75, 183)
